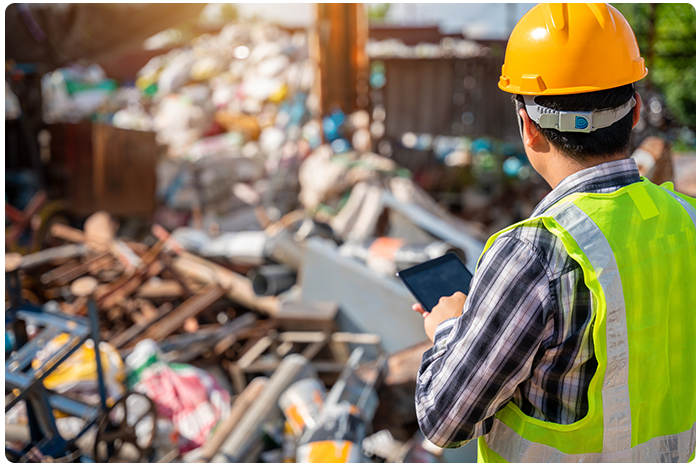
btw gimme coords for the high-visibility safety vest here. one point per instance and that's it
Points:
(636, 247)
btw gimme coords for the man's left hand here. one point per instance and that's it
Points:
(447, 307)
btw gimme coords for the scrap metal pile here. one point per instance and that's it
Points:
(221, 355)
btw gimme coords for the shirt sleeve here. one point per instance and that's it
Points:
(478, 360)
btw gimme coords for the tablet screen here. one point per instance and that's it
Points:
(439, 277)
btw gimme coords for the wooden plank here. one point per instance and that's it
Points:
(124, 289)
(161, 289)
(258, 349)
(62, 275)
(122, 339)
(168, 262)
(128, 285)
(189, 308)
(64, 232)
(240, 288)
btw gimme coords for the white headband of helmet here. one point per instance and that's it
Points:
(582, 122)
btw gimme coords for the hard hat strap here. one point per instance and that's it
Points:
(581, 122)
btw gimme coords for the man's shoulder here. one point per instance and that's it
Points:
(544, 244)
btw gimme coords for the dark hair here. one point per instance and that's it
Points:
(599, 144)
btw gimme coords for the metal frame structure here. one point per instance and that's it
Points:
(26, 383)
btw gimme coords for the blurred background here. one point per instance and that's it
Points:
(422, 77)
(373, 134)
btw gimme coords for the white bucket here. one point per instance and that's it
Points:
(301, 403)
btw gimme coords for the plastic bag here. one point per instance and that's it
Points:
(79, 372)
(74, 93)
(185, 394)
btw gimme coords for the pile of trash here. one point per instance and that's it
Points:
(449, 47)
(230, 323)
(236, 110)
(74, 93)
(218, 369)
(230, 357)
(242, 130)
(251, 81)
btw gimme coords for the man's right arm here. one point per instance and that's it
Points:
(479, 359)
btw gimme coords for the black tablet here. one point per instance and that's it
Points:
(439, 277)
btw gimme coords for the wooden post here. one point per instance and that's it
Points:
(339, 45)
(239, 408)
(247, 431)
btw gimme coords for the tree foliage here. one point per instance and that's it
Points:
(377, 12)
(666, 36)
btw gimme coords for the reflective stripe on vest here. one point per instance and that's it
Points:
(514, 448)
(686, 205)
(617, 423)
(617, 428)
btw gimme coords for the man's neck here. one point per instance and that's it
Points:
(561, 167)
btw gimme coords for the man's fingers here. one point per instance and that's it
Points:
(417, 307)
(425, 314)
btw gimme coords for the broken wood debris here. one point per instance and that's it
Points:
(197, 311)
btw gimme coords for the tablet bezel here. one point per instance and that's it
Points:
(421, 268)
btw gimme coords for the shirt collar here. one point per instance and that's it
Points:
(615, 174)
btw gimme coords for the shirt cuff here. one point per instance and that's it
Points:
(443, 330)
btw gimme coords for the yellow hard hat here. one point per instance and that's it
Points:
(571, 48)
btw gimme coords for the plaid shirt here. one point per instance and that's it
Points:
(525, 332)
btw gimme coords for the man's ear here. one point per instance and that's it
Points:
(637, 109)
(531, 136)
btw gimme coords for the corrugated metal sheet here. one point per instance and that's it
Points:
(418, 96)
(447, 97)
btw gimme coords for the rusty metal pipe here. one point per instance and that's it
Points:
(272, 279)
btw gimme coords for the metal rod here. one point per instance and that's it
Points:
(85, 287)
(14, 289)
(94, 320)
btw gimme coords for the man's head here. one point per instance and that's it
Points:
(570, 68)
(602, 143)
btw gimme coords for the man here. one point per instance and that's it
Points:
(577, 340)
